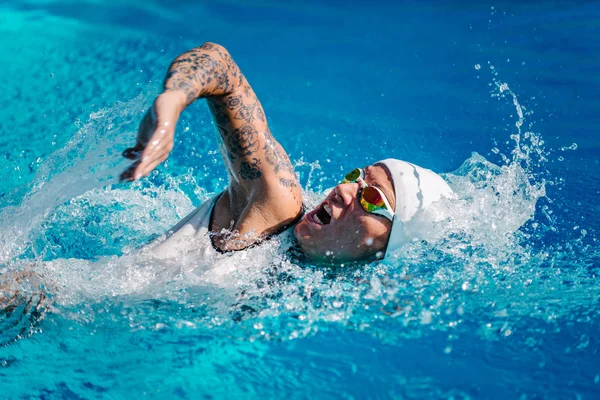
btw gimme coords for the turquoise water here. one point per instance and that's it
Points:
(501, 303)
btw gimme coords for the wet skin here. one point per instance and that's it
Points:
(352, 234)
(263, 195)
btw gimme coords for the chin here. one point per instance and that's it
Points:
(297, 231)
(303, 244)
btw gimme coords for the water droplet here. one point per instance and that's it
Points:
(426, 317)
(477, 67)
(571, 147)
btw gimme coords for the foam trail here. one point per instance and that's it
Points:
(478, 265)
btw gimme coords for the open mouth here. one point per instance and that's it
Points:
(322, 215)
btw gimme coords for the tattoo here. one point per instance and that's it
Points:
(275, 155)
(204, 71)
(231, 65)
(247, 112)
(250, 170)
(260, 114)
(208, 46)
(242, 81)
(183, 79)
(189, 73)
(218, 113)
(222, 80)
(234, 102)
(245, 86)
(209, 72)
(243, 141)
(288, 183)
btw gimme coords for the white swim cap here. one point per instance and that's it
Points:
(415, 189)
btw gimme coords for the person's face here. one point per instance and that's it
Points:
(351, 234)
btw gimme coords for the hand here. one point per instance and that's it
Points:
(155, 136)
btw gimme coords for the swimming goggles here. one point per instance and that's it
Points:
(372, 199)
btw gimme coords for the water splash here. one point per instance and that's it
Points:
(89, 160)
(479, 266)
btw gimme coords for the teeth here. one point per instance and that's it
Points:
(317, 220)
(327, 208)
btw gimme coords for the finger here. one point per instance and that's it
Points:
(150, 155)
(160, 145)
(151, 166)
(129, 174)
(132, 153)
(150, 162)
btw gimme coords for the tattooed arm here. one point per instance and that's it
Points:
(263, 193)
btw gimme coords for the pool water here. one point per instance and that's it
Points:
(501, 302)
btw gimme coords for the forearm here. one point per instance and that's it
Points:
(253, 156)
(205, 71)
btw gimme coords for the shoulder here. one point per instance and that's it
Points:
(251, 217)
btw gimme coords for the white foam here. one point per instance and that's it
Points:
(478, 263)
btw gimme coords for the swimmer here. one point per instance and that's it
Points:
(366, 217)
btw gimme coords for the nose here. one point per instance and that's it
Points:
(346, 192)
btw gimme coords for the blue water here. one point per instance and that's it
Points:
(503, 302)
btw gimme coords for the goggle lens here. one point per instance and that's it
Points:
(372, 196)
(353, 175)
